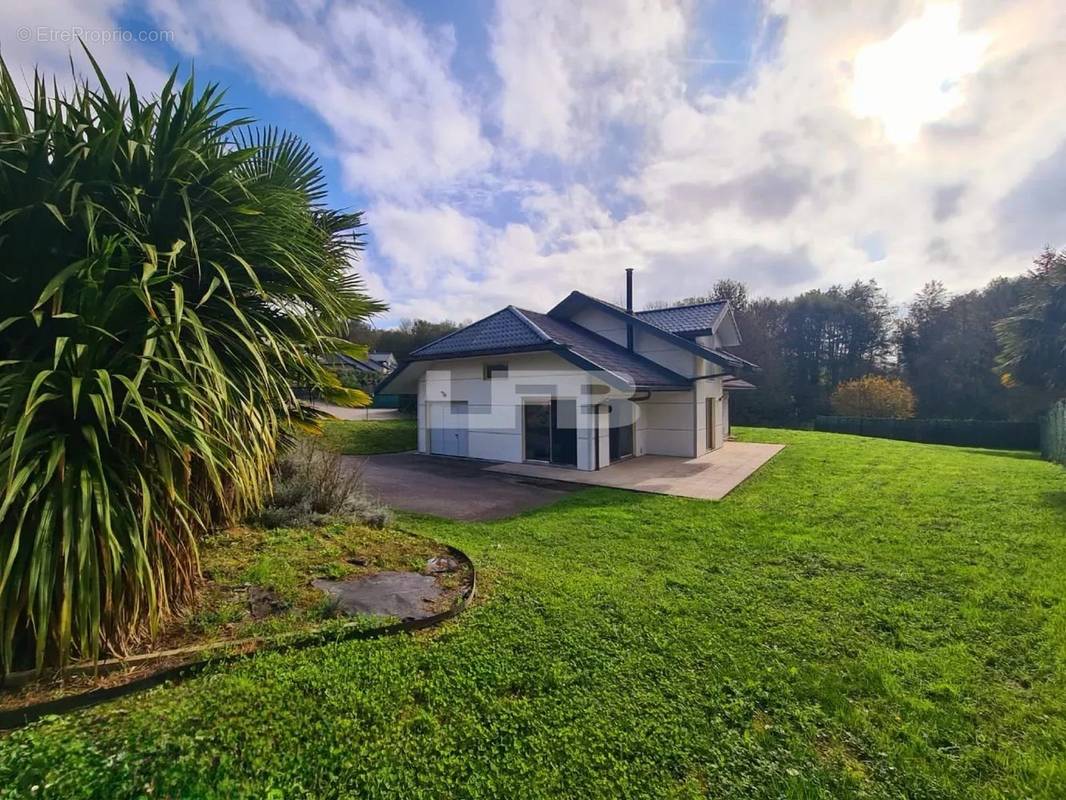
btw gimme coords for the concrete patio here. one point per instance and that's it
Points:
(709, 477)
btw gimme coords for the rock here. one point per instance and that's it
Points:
(359, 561)
(438, 565)
(264, 602)
(393, 594)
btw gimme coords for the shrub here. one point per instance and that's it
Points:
(873, 396)
(168, 275)
(313, 486)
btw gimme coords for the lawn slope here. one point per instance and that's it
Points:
(862, 618)
(368, 437)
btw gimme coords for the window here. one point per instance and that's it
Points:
(495, 371)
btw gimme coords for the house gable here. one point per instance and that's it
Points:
(656, 343)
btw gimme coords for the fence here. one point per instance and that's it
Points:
(964, 432)
(1053, 433)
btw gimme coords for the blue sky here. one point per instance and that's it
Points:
(511, 151)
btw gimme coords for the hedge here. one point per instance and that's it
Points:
(1053, 433)
(963, 432)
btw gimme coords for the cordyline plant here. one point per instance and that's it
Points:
(1032, 339)
(167, 276)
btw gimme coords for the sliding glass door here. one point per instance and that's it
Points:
(538, 419)
(551, 431)
(620, 436)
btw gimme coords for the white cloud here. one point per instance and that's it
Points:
(569, 68)
(424, 243)
(376, 75)
(912, 77)
(602, 148)
(778, 182)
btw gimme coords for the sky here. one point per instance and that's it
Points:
(510, 151)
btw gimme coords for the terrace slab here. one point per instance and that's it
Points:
(709, 477)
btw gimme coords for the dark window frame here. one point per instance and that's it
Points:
(491, 371)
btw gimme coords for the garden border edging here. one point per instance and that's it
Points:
(20, 717)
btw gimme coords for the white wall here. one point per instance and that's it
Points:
(604, 439)
(666, 424)
(604, 324)
(652, 347)
(710, 388)
(494, 418)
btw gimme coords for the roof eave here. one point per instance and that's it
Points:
(492, 351)
(391, 377)
(696, 332)
(609, 377)
(645, 387)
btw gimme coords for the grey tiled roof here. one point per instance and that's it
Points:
(504, 330)
(516, 330)
(575, 301)
(605, 353)
(685, 319)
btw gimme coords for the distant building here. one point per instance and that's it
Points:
(386, 361)
(375, 363)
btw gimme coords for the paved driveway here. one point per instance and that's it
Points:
(360, 413)
(454, 488)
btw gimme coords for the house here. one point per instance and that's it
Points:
(587, 384)
(374, 363)
(385, 362)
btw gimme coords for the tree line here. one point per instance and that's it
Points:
(409, 335)
(994, 353)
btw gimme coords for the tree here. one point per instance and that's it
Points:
(1032, 338)
(725, 289)
(168, 275)
(832, 336)
(947, 351)
(761, 324)
(400, 341)
(733, 291)
(412, 334)
(873, 396)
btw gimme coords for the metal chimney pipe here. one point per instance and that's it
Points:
(629, 306)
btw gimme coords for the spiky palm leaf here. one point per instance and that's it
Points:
(1032, 339)
(166, 277)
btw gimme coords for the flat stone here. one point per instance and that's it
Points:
(407, 595)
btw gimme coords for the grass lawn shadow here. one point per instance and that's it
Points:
(1024, 455)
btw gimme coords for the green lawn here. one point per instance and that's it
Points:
(367, 437)
(863, 618)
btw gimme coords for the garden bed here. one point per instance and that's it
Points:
(280, 587)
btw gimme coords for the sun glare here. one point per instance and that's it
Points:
(912, 78)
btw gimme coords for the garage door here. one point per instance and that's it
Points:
(448, 434)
